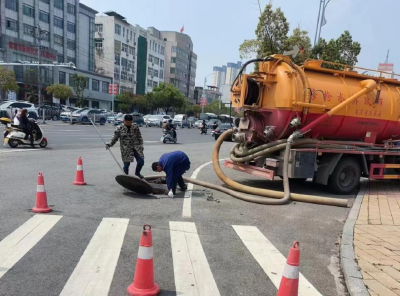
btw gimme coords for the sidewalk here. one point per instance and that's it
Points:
(377, 238)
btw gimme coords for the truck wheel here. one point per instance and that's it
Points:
(346, 176)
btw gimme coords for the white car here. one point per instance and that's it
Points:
(11, 106)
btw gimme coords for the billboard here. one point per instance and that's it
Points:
(384, 67)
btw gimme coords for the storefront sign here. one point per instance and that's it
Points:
(32, 50)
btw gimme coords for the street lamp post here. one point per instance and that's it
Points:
(321, 21)
(39, 34)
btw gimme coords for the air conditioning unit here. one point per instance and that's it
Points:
(134, 43)
(100, 33)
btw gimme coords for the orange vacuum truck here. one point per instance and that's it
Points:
(312, 122)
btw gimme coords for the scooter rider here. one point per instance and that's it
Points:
(170, 129)
(26, 125)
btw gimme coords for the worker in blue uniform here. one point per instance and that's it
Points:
(174, 164)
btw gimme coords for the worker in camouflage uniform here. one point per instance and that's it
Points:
(131, 142)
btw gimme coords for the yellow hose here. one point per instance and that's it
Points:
(265, 192)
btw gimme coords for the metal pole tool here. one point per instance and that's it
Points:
(112, 154)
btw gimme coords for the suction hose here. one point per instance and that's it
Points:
(265, 192)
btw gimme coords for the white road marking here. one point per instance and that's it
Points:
(95, 269)
(57, 131)
(187, 201)
(18, 150)
(17, 244)
(193, 276)
(269, 258)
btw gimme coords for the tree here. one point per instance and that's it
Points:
(31, 78)
(166, 96)
(271, 32)
(7, 80)
(60, 91)
(343, 50)
(300, 38)
(78, 83)
(128, 101)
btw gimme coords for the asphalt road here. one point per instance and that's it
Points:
(46, 267)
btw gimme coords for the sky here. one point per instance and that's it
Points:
(218, 27)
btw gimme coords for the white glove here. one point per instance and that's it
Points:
(171, 194)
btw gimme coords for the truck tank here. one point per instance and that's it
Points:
(282, 98)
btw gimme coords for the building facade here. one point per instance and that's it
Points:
(150, 59)
(219, 76)
(115, 50)
(180, 62)
(226, 74)
(64, 30)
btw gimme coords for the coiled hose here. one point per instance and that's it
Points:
(265, 192)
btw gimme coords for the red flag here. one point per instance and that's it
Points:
(183, 27)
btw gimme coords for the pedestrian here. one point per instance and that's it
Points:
(131, 143)
(16, 117)
(174, 164)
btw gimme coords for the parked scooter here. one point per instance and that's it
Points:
(167, 137)
(16, 136)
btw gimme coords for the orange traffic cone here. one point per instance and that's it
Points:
(290, 279)
(79, 180)
(143, 282)
(41, 197)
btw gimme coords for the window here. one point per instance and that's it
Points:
(11, 25)
(98, 42)
(71, 60)
(162, 74)
(162, 49)
(58, 22)
(156, 61)
(155, 83)
(130, 77)
(104, 87)
(60, 58)
(44, 17)
(124, 62)
(116, 73)
(46, 1)
(150, 58)
(125, 47)
(159, 48)
(12, 4)
(173, 60)
(70, 8)
(70, 80)
(99, 28)
(117, 58)
(161, 63)
(45, 36)
(61, 77)
(150, 71)
(149, 83)
(29, 10)
(123, 32)
(95, 85)
(28, 30)
(155, 73)
(117, 29)
(124, 75)
(87, 83)
(58, 40)
(131, 65)
(172, 71)
(71, 27)
(131, 35)
(59, 4)
(131, 50)
(71, 44)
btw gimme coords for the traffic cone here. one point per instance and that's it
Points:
(290, 279)
(41, 197)
(143, 282)
(79, 180)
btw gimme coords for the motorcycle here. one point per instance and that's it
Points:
(168, 137)
(203, 130)
(16, 136)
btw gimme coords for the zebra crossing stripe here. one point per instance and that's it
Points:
(269, 258)
(18, 243)
(192, 272)
(95, 270)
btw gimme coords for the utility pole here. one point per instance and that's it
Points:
(39, 33)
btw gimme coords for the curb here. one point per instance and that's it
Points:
(351, 271)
